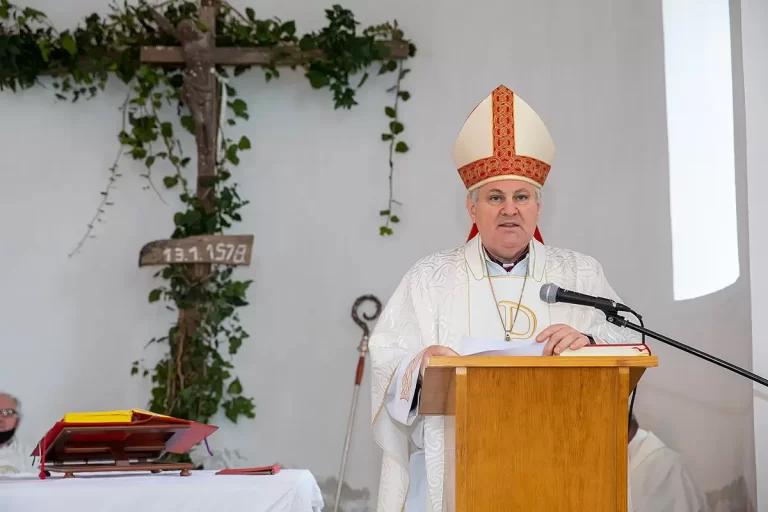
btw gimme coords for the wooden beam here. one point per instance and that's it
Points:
(208, 10)
(234, 56)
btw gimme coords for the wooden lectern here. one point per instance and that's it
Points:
(533, 433)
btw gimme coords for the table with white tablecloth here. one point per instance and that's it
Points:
(290, 490)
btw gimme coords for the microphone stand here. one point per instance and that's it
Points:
(612, 316)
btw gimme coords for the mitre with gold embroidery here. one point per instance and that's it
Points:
(503, 139)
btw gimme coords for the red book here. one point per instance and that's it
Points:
(112, 440)
(264, 470)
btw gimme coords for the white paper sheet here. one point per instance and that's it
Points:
(486, 347)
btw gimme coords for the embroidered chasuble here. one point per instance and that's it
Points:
(446, 299)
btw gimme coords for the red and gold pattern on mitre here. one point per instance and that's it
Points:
(503, 138)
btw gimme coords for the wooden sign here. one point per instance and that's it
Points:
(220, 249)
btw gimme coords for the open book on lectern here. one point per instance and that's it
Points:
(484, 347)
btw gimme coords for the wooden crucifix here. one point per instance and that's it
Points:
(198, 55)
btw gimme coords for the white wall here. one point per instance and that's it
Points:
(755, 42)
(317, 178)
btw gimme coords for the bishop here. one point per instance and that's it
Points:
(487, 288)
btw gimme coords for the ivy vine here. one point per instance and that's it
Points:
(195, 377)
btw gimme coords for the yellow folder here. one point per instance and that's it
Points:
(124, 416)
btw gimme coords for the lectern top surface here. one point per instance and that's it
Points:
(543, 361)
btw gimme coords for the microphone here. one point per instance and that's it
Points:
(551, 293)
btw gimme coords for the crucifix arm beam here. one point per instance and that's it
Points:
(231, 56)
(163, 23)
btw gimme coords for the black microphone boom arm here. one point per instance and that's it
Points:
(614, 318)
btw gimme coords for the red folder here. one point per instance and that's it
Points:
(137, 435)
(264, 470)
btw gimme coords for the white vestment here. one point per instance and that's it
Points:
(14, 459)
(443, 299)
(658, 482)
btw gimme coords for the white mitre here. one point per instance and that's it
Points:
(503, 139)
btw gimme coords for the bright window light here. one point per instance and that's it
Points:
(697, 56)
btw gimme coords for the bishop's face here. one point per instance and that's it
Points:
(506, 214)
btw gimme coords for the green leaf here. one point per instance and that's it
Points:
(289, 28)
(387, 136)
(384, 212)
(405, 95)
(45, 49)
(235, 388)
(401, 147)
(250, 13)
(307, 43)
(192, 217)
(244, 143)
(240, 108)
(390, 111)
(385, 231)
(237, 301)
(188, 124)
(33, 13)
(149, 161)
(154, 295)
(68, 43)
(396, 127)
(232, 154)
(234, 345)
(230, 413)
(391, 65)
(317, 80)
(395, 219)
(170, 181)
(166, 129)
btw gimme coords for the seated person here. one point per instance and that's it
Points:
(13, 457)
(658, 482)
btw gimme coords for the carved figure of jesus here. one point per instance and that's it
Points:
(199, 91)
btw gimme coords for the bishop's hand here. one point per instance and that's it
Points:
(559, 337)
(435, 351)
